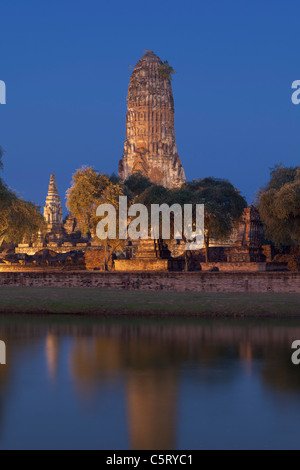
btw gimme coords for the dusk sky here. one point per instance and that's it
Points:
(66, 68)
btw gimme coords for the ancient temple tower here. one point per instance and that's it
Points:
(53, 211)
(150, 146)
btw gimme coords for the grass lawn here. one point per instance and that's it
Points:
(101, 301)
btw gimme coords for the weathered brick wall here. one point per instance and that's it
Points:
(191, 281)
(141, 264)
(272, 266)
(234, 266)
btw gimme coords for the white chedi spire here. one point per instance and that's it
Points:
(53, 213)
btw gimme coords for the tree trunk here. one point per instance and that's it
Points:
(185, 262)
(206, 244)
(106, 257)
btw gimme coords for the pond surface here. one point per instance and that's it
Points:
(126, 383)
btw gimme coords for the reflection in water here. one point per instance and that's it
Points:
(4, 381)
(52, 354)
(145, 363)
(152, 400)
(150, 381)
(246, 354)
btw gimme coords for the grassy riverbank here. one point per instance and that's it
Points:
(52, 300)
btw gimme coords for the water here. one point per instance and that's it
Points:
(128, 383)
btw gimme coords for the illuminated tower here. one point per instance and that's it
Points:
(150, 146)
(53, 213)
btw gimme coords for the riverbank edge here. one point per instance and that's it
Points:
(159, 314)
(112, 303)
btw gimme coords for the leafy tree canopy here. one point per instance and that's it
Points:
(89, 189)
(223, 206)
(19, 220)
(137, 184)
(223, 203)
(279, 205)
(165, 70)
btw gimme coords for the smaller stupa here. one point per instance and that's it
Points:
(53, 213)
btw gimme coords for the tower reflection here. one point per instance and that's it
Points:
(147, 362)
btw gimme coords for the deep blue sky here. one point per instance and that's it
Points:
(66, 67)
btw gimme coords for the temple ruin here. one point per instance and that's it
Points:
(149, 149)
(53, 212)
(150, 146)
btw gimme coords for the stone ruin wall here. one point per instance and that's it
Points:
(159, 281)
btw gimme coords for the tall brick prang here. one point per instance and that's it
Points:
(150, 146)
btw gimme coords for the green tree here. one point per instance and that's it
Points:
(137, 184)
(115, 179)
(153, 194)
(223, 206)
(89, 189)
(19, 220)
(165, 70)
(279, 205)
